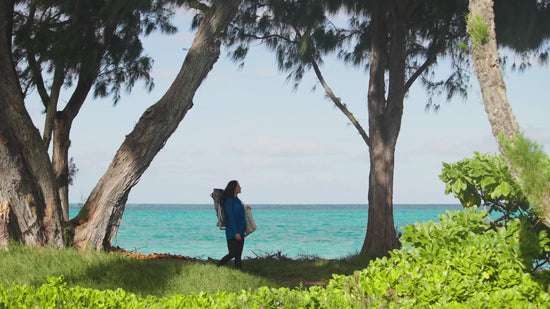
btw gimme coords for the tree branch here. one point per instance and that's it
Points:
(37, 76)
(89, 71)
(429, 61)
(36, 71)
(51, 108)
(195, 4)
(339, 104)
(269, 36)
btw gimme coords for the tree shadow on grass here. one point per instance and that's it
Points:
(162, 277)
(165, 276)
(142, 277)
(303, 271)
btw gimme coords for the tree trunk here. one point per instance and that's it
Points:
(51, 104)
(62, 123)
(384, 125)
(4, 223)
(489, 75)
(27, 188)
(98, 221)
(493, 90)
(60, 159)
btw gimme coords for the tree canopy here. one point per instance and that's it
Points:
(62, 37)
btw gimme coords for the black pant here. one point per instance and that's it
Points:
(235, 248)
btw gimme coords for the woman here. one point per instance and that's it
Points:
(236, 224)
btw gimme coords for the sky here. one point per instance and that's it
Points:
(288, 146)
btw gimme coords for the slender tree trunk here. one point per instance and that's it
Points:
(62, 142)
(27, 187)
(51, 108)
(62, 129)
(493, 90)
(98, 222)
(384, 125)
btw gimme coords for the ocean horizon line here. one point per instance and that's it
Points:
(284, 204)
(294, 229)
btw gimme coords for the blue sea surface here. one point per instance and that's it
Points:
(327, 231)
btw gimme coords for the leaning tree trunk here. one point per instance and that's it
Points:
(384, 125)
(100, 218)
(487, 67)
(28, 197)
(493, 90)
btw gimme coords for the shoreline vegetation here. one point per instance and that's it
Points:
(458, 262)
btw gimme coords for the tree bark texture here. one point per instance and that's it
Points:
(27, 188)
(4, 223)
(51, 104)
(489, 75)
(493, 90)
(98, 222)
(388, 42)
(60, 159)
(62, 124)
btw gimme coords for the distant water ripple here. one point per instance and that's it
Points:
(327, 231)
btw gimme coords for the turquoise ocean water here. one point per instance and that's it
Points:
(327, 231)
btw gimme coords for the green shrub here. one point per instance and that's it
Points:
(459, 260)
(485, 180)
(533, 166)
(56, 294)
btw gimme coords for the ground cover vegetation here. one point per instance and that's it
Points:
(461, 261)
(161, 276)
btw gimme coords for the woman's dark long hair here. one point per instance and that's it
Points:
(229, 190)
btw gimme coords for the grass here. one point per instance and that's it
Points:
(100, 270)
(303, 271)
